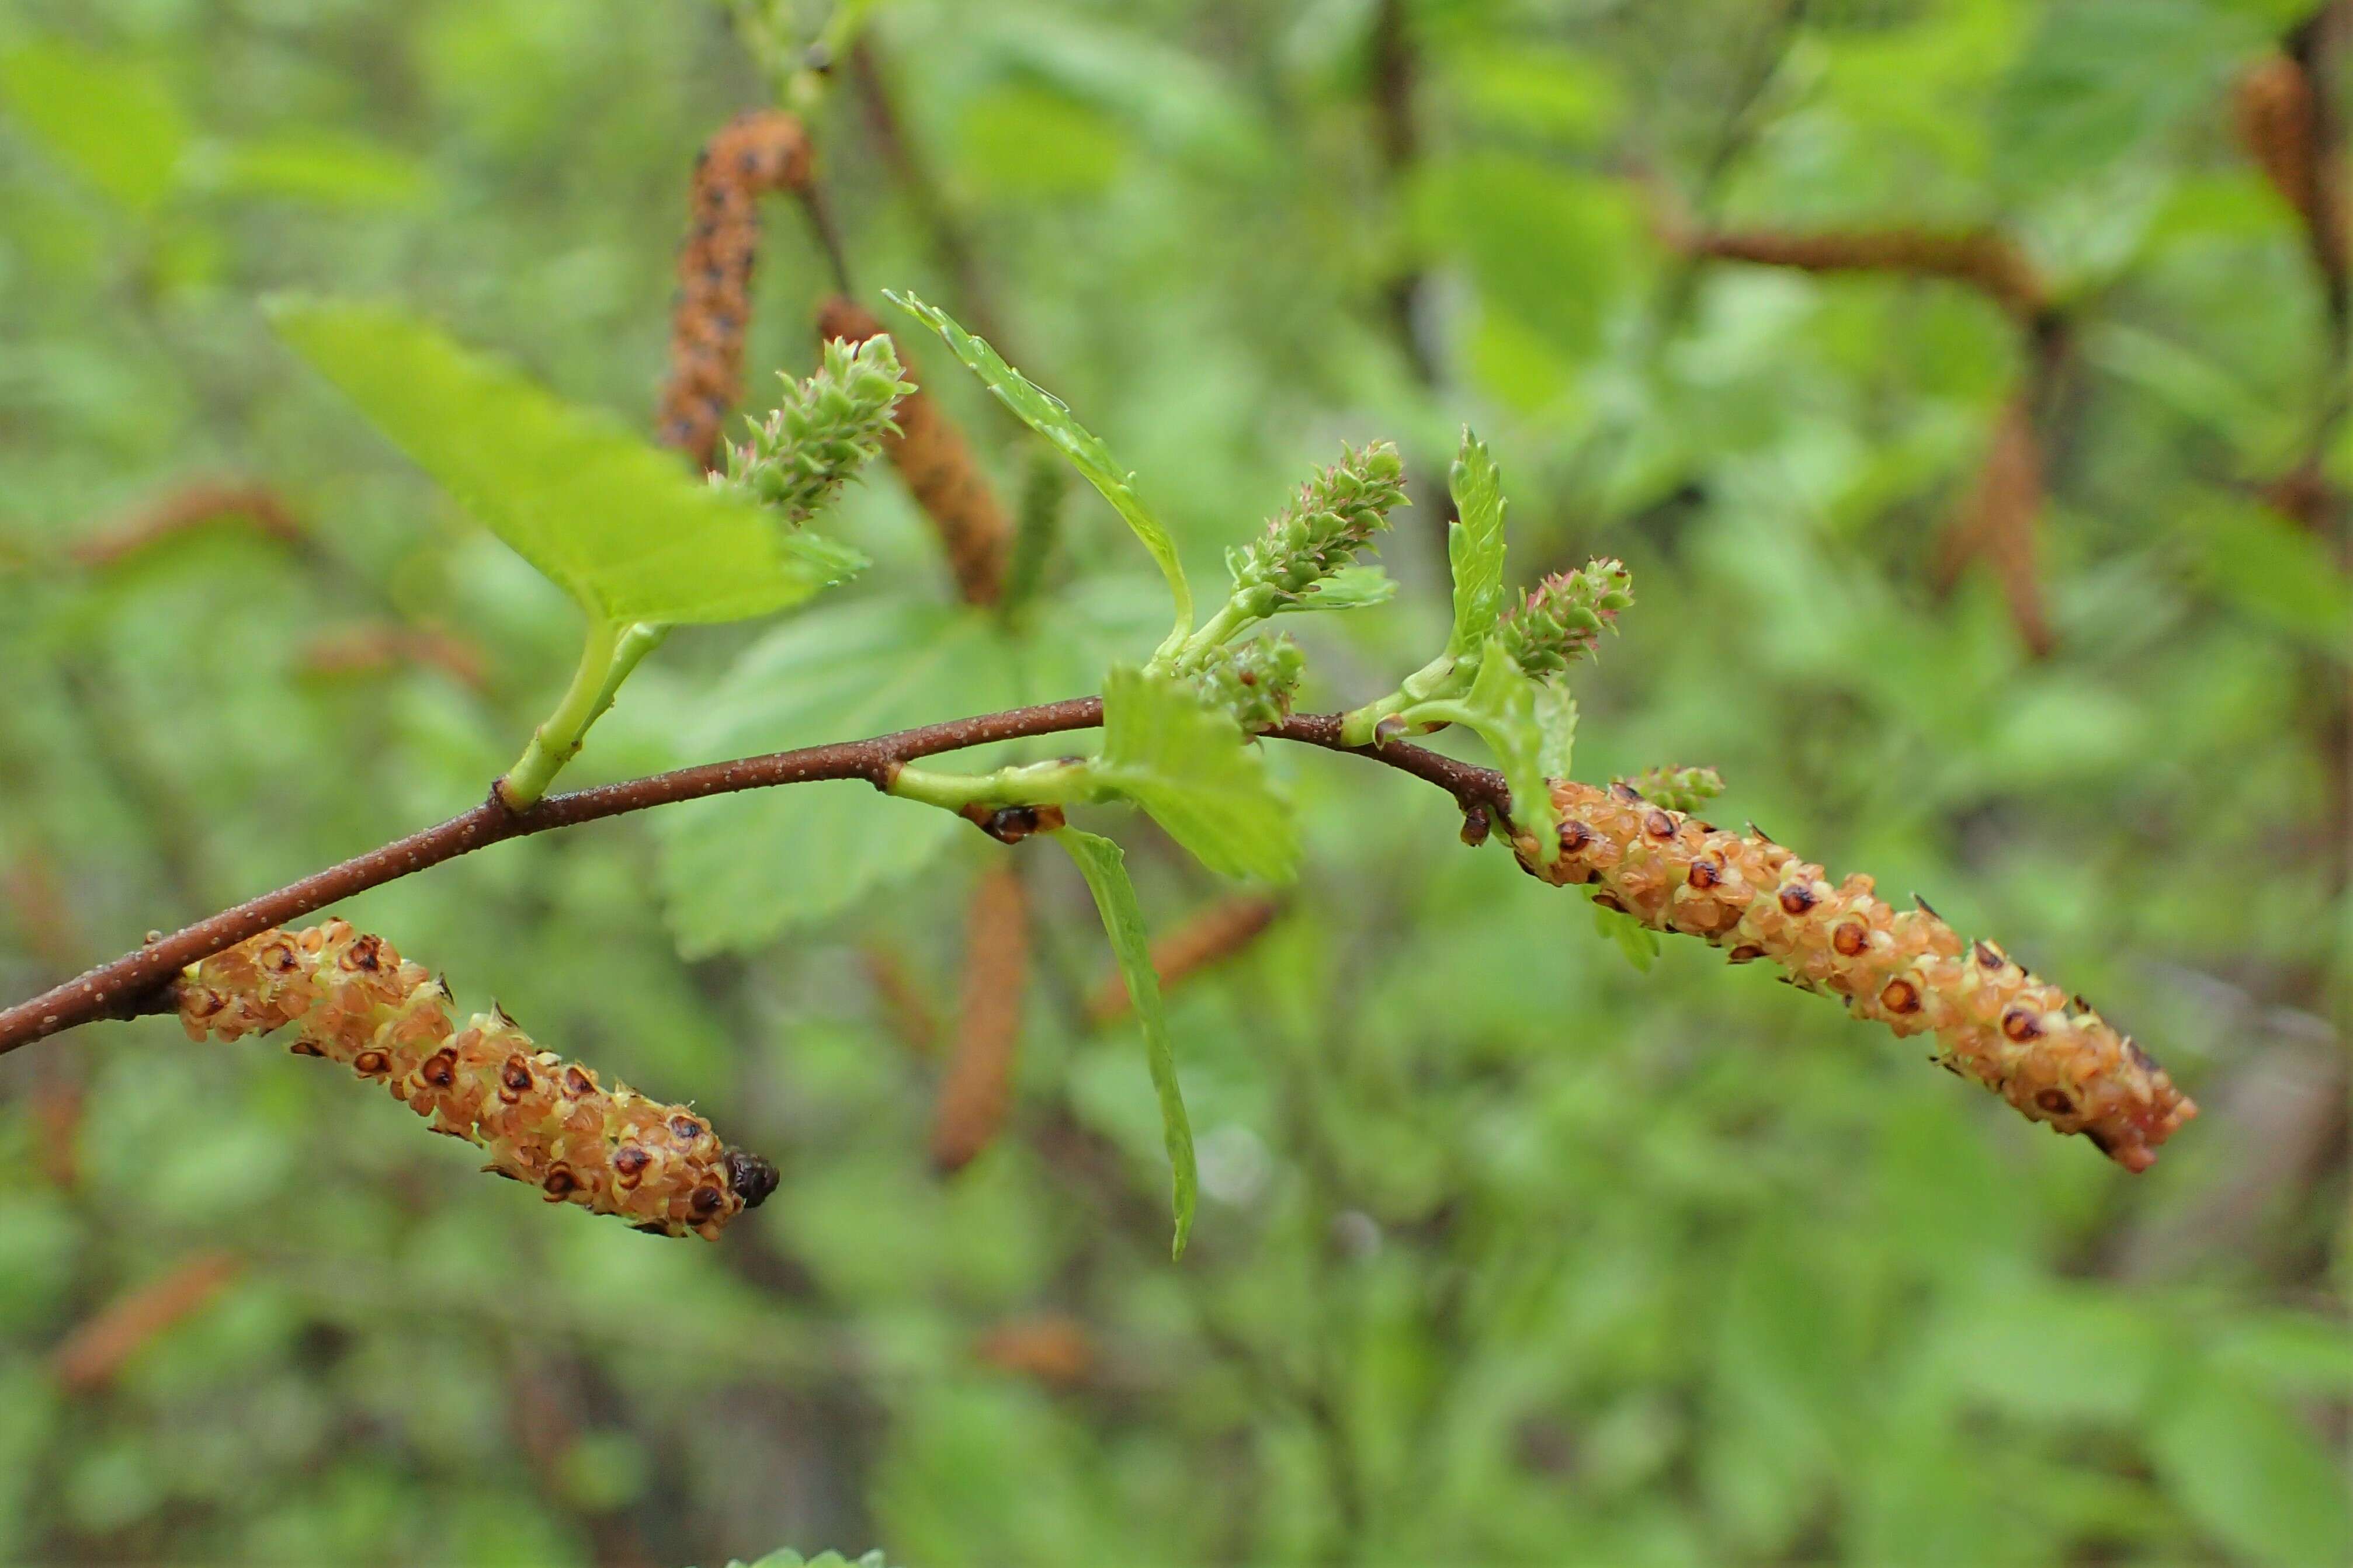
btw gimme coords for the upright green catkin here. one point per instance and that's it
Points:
(1563, 616)
(1336, 514)
(2051, 1056)
(822, 431)
(1253, 680)
(542, 1119)
(1677, 789)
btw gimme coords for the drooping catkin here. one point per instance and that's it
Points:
(978, 1086)
(542, 1119)
(2000, 522)
(939, 468)
(99, 1348)
(192, 506)
(753, 154)
(1980, 257)
(1210, 937)
(2282, 123)
(2051, 1056)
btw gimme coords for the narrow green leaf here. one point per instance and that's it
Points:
(114, 121)
(1190, 767)
(1050, 417)
(616, 522)
(1101, 864)
(1349, 588)
(1475, 544)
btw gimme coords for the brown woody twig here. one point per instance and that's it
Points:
(139, 981)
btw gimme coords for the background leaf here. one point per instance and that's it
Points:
(741, 870)
(614, 521)
(113, 119)
(2252, 1475)
(1193, 770)
(1105, 869)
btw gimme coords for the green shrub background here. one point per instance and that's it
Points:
(1506, 1252)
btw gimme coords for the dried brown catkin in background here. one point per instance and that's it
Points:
(1980, 257)
(755, 153)
(1215, 934)
(939, 468)
(2002, 521)
(2051, 1058)
(2281, 123)
(542, 1119)
(979, 1082)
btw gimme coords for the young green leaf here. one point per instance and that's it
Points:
(616, 523)
(1050, 417)
(1190, 767)
(1349, 588)
(1101, 864)
(1475, 544)
(1505, 706)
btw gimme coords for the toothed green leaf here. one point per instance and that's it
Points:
(1475, 544)
(617, 523)
(1052, 418)
(1190, 767)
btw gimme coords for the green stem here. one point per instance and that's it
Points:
(557, 740)
(1035, 783)
(1360, 726)
(636, 643)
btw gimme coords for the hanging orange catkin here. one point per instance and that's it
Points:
(1980, 257)
(939, 468)
(191, 506)
(2054, 1058)
(755, 153)
(2002, 521)
(1055, 1348)
(542, 1119)
(1215, 934)
(979, 1082)
(2281, 121)
(95, 1352)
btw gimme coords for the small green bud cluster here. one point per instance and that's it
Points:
(1253, 680)
(824, 430)
(1336, 514)
(1560, 621)
(1677, 789)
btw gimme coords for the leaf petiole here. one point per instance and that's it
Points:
(559, 738)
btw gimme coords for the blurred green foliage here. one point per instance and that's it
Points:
(1505, 1252)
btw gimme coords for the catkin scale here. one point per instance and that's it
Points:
(751, 155)
(2051, 1056)
(939, 469)
(540, 1118)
